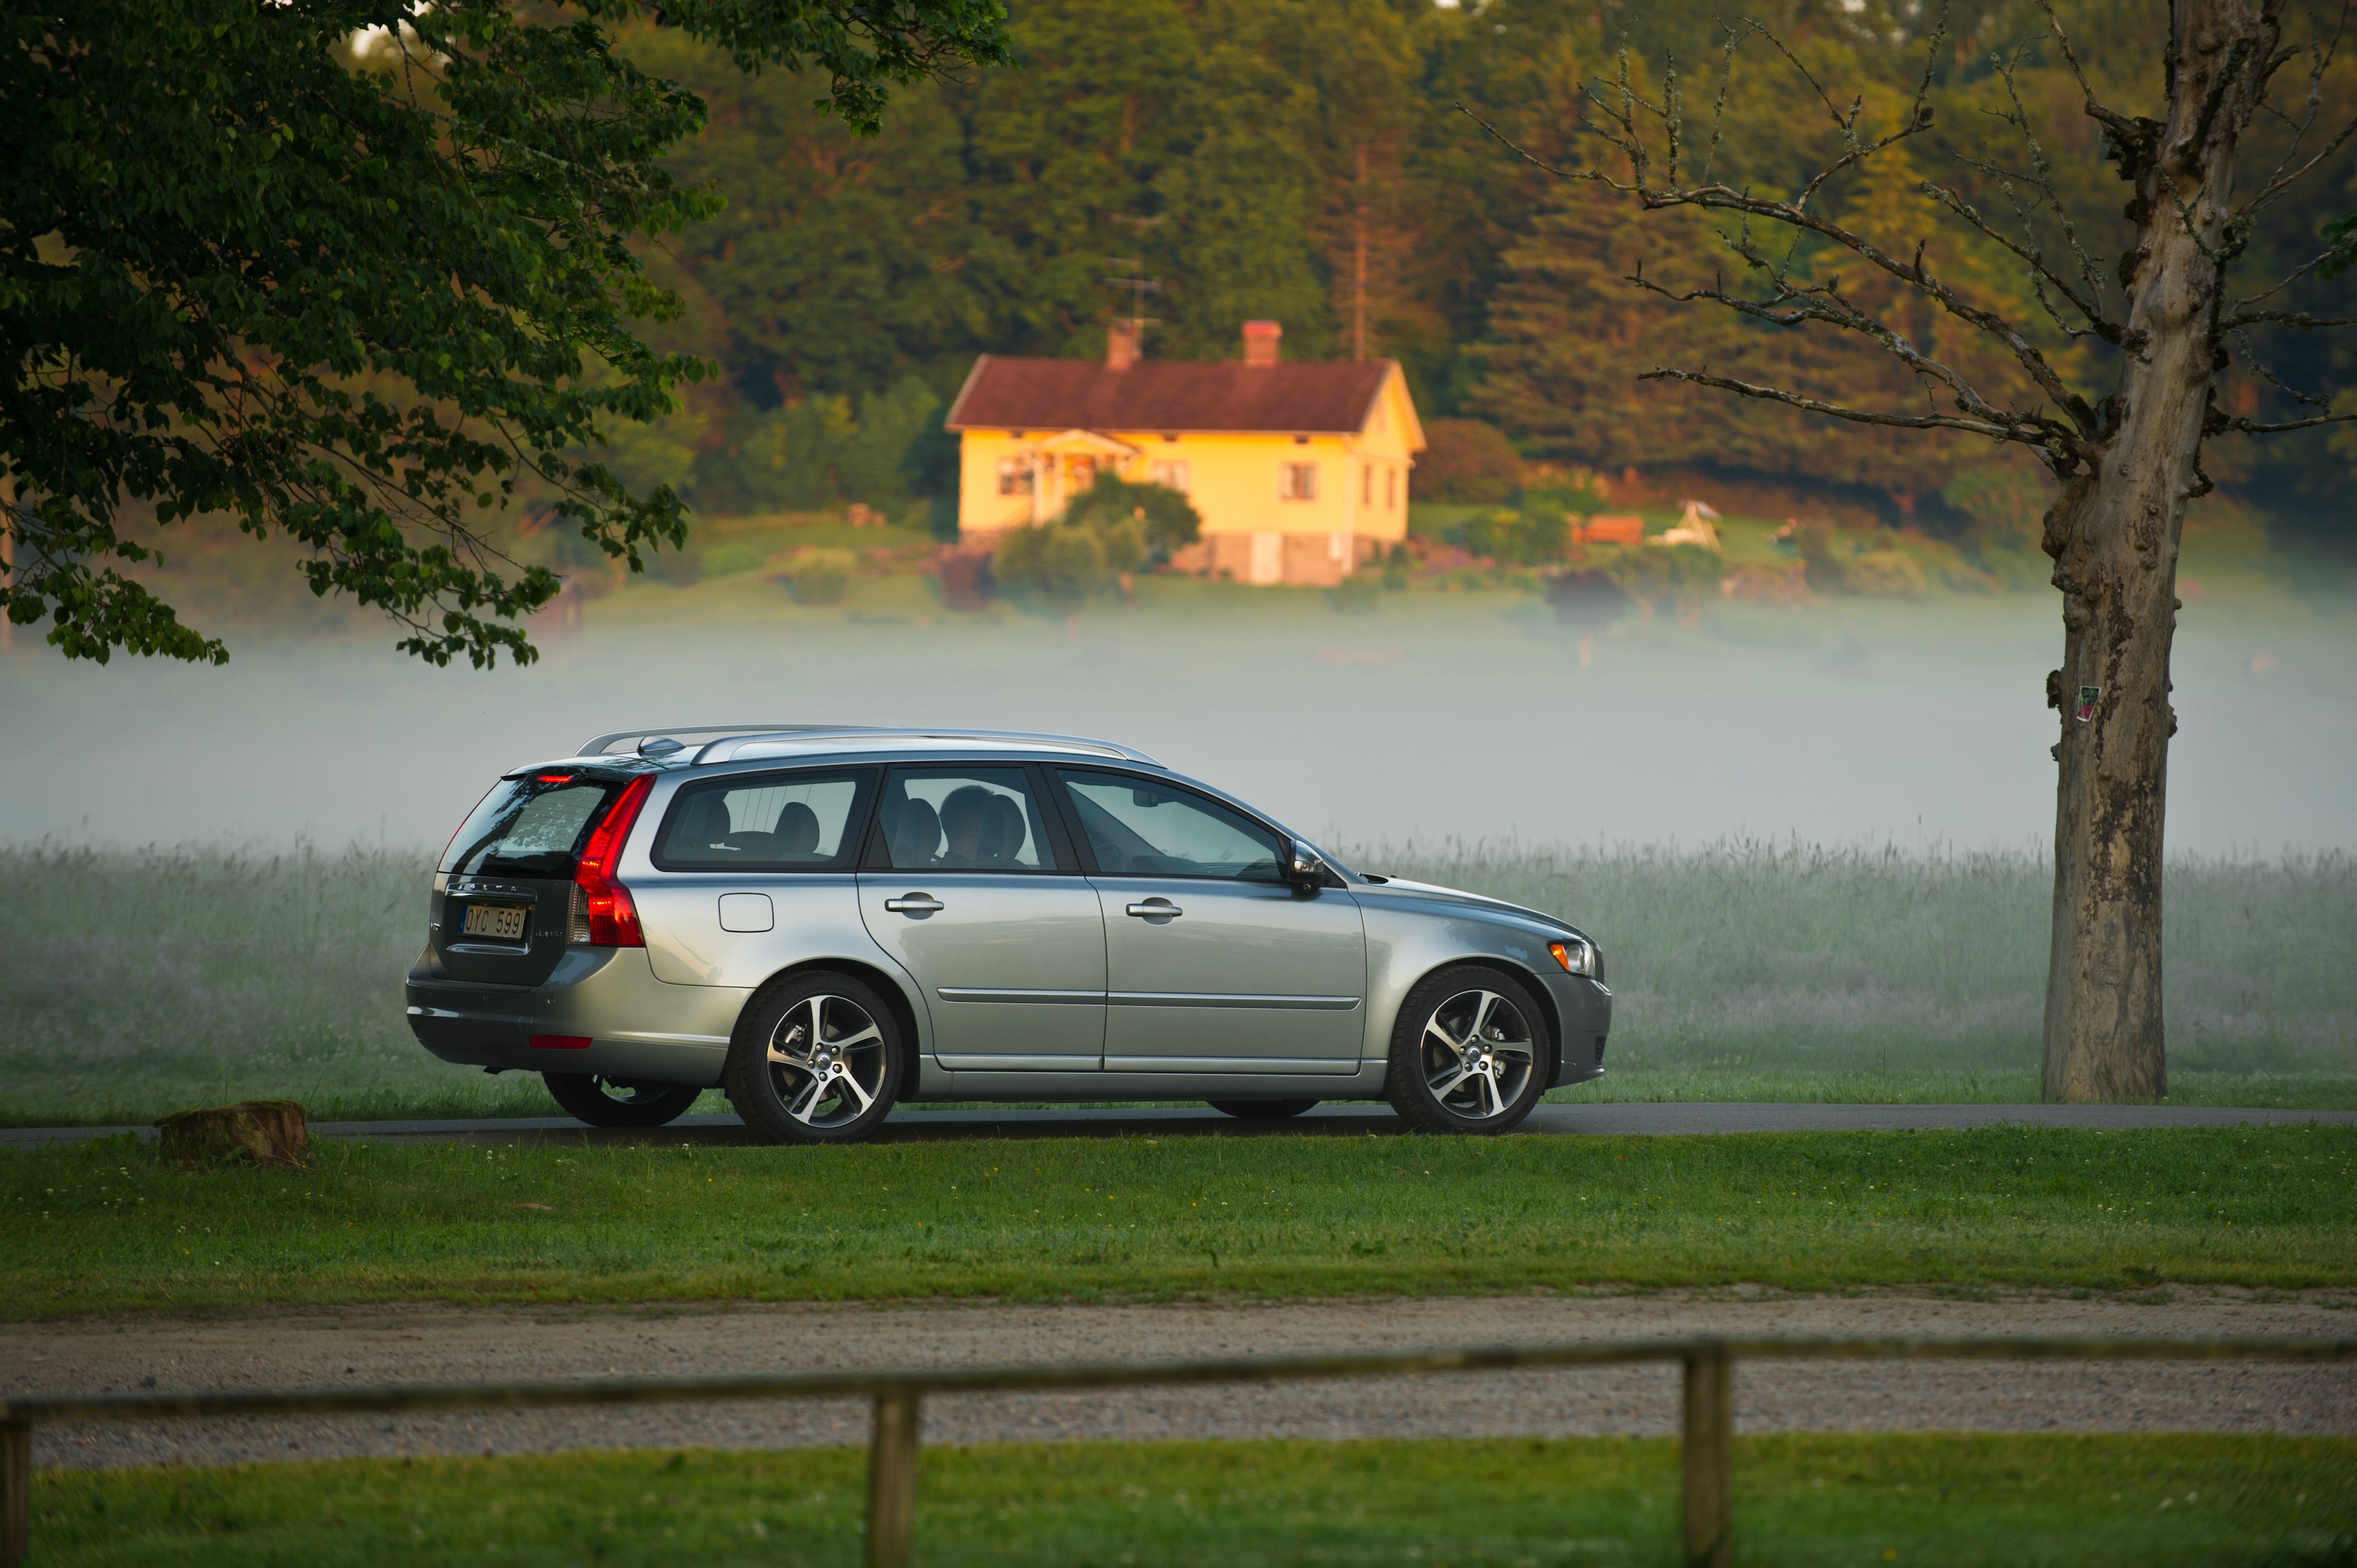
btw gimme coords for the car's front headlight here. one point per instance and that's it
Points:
(1576, 954)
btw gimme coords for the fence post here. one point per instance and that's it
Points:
(16, 1490)
(892, 1480)
(1709, 1458)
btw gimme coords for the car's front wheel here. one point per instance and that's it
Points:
(817, 1060)
(1470, 1053)
(604, 1102)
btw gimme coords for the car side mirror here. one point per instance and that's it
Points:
(1303, 868)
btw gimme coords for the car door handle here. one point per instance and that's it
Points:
(1155, 909)
(915, 904)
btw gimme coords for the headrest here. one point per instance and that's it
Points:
(796, 829)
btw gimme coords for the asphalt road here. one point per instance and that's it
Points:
(916, 1124)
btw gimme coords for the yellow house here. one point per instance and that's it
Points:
(1299, 472)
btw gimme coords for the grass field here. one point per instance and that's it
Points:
(2008, 1502)
(106, 1226)
(134, 984)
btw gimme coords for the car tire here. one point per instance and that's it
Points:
(1471, 1053)
(1261, 1109)
(818, 1059)
(604, 1102)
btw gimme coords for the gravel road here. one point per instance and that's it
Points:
(435, 1344)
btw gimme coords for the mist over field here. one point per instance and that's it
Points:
(1456, 715)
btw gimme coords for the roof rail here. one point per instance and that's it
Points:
(889, 733)
(596, 744)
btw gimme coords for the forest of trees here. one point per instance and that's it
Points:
(1249, 153)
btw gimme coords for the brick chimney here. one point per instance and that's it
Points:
(1121, 345)
(1260, 338)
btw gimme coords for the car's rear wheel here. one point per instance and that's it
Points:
(604, 1102)
(1261, 1109)
(1470, 1053)
(817, 1060)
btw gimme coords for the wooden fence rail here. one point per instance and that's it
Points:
(1708, 1436)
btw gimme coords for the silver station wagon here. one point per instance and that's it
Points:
(825, 921)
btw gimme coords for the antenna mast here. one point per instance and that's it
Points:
(1138, 284)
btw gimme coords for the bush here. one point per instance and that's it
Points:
(1165, 519)
(1890, 574)
(1886, 573)
(1467, 461)
(1588, 600)
(1357, 593)
(1692, 572)
(735, 555)
(1528, 536)
(1109, 531)
(1063, 562)
(2005, 501)
(821, 576)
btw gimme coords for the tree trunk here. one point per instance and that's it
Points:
(2114, 535)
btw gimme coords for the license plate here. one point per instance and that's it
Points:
(500, 922)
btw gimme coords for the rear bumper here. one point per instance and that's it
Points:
(634, 1025)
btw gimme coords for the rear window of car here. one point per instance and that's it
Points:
(766, 822)
(530, 826)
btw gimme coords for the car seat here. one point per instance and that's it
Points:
(1005, 833)
(702, 824)
(915, 834)
(795, 835)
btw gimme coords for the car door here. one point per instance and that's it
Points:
(962, 884)
(1213, 962)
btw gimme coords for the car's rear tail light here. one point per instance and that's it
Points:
(560, 1042)
(602, 914)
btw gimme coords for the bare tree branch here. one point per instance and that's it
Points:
(1834, 410)
(2259, 368)
(2299, 318)
(2254, 427)
(2343, 246)
(2321, 56)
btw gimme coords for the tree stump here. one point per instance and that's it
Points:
(269, 1132)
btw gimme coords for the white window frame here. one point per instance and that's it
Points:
(1296, 481)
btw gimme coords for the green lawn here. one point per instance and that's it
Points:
(2011, 1501)
(102, 1227)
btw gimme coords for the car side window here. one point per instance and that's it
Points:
(960, 819)
(769, 821)
(1138, 827)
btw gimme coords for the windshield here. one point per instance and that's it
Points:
(531, 826)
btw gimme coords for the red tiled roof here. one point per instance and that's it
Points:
(1166, 395)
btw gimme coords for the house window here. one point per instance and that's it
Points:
(1175, 473)
(1014, 477)
(1297, 482)
(1391, 479)
(1366, 484)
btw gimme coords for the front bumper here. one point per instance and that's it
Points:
(1585, 1009)
(636, 1027)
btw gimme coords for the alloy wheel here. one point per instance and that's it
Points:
(826, 1057)
(1478, 1053)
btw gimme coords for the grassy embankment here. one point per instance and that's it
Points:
(104, 1226)
(2281, 1502)
(133, 983)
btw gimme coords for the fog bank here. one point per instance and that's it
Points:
(1464, 715)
